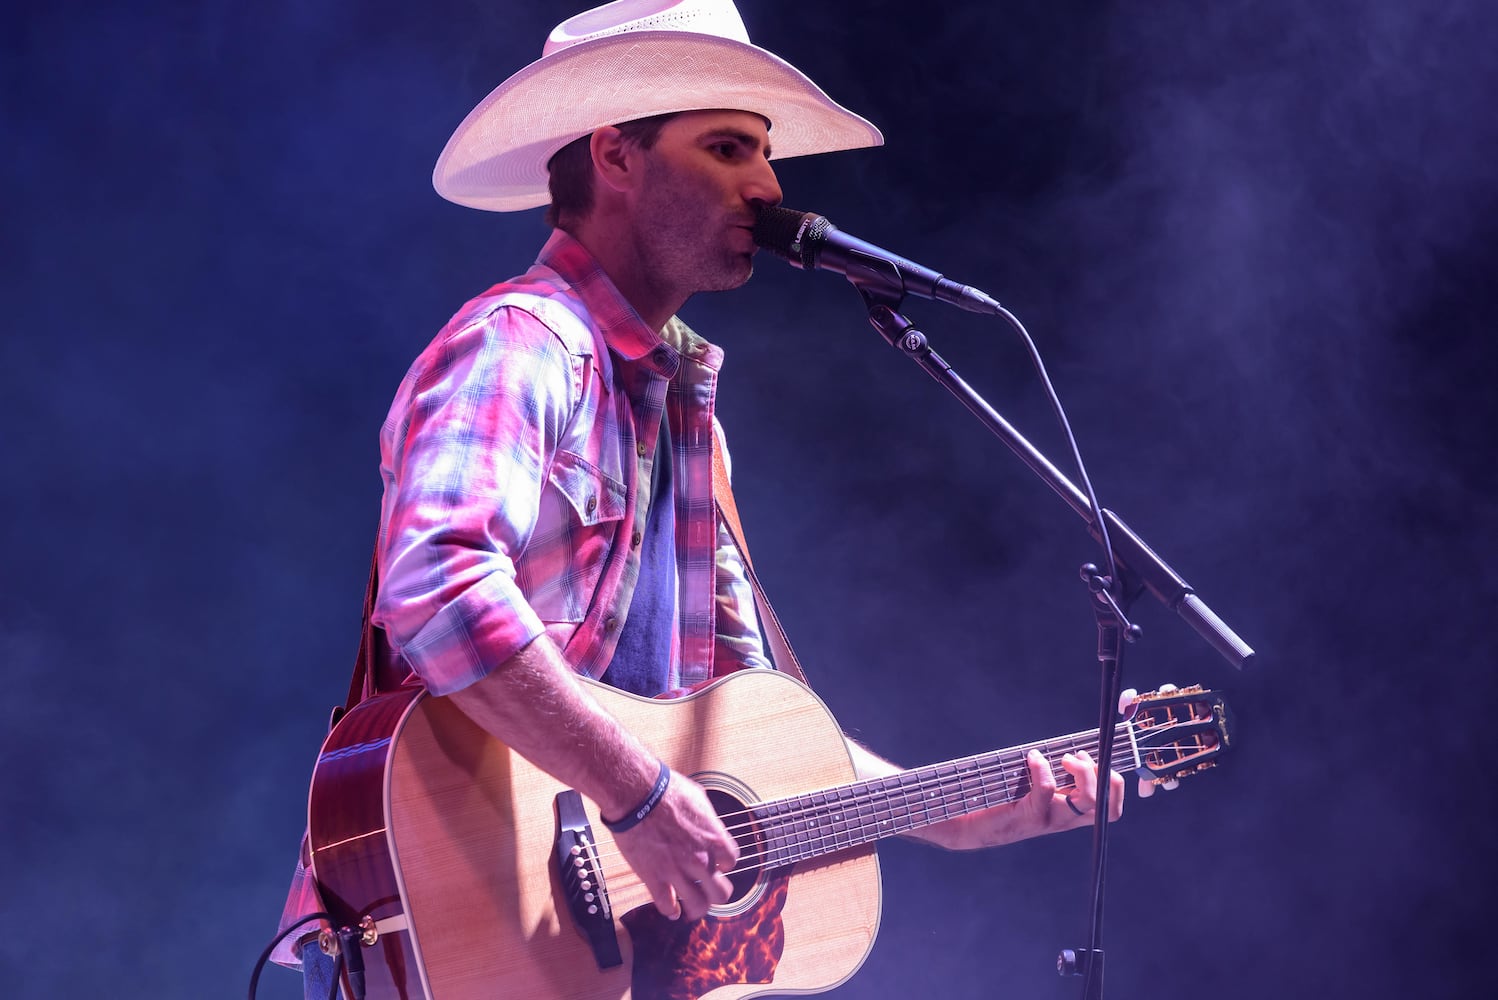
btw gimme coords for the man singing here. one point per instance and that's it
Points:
(548, 504)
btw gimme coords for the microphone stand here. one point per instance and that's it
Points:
(1136, 568)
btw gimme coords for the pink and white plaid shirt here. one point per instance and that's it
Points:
(516, 461)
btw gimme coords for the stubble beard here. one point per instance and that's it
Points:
(684, 235)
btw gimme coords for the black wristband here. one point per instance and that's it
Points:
(642, 810)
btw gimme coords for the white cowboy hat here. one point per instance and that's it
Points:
(626, 60)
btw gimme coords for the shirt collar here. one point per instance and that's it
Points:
(622, 328)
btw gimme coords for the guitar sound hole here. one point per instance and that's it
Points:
(751, 842)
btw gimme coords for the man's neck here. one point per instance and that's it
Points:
(650, 295)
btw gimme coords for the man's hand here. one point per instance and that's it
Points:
(1046, 809)
(681, 851)
(1043, 810)
(1051, 809)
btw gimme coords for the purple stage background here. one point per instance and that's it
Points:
(1255, 242)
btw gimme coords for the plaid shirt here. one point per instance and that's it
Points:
(517, 464)
(517, 460)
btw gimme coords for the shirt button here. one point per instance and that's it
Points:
(634, 541)
(591, 505)
(640, 448)
(610, 624)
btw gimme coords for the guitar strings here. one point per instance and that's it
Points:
(811, 844)
(947, 778)
(955, 787)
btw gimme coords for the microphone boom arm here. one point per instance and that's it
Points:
(1139, 566)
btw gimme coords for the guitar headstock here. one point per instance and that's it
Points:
(1179, 731)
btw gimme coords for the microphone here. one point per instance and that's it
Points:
(811, 243)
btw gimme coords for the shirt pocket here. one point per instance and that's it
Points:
(582, 510)
(594, 495)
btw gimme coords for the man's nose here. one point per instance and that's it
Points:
(764, 188)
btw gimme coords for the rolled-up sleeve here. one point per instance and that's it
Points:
(465, 455)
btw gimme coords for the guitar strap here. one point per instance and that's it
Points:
(374, 649)
(775, 638)
(372, 644)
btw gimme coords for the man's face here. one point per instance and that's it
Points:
(704, 179)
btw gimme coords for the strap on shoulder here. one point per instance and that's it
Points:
(780, 647)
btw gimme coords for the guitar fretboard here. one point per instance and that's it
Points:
(814, 824)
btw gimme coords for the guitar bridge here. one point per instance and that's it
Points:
(581, 878)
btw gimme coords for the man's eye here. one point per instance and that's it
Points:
(724, 149)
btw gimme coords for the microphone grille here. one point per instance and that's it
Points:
(783, 231)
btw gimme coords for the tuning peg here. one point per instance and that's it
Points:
(1147, 786)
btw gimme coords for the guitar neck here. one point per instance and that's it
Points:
(813, 824)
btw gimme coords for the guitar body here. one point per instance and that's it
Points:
(445, 839)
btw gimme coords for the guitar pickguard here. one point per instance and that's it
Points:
(684, 960)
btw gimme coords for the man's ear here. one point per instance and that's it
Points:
(616, 162)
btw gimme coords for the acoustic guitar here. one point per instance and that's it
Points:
(475, 876)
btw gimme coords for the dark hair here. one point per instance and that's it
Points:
(571, 169)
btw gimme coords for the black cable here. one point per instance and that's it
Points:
(1050, 392)
(337, 971)
(1092, 982)
(276, 941)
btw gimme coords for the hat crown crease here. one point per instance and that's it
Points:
(627, 60)
(703, 17)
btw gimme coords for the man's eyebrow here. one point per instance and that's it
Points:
(742, 138)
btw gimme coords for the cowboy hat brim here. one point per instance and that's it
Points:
(496, 160)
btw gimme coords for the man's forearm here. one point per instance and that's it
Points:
(868, 764)
(535, 706)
